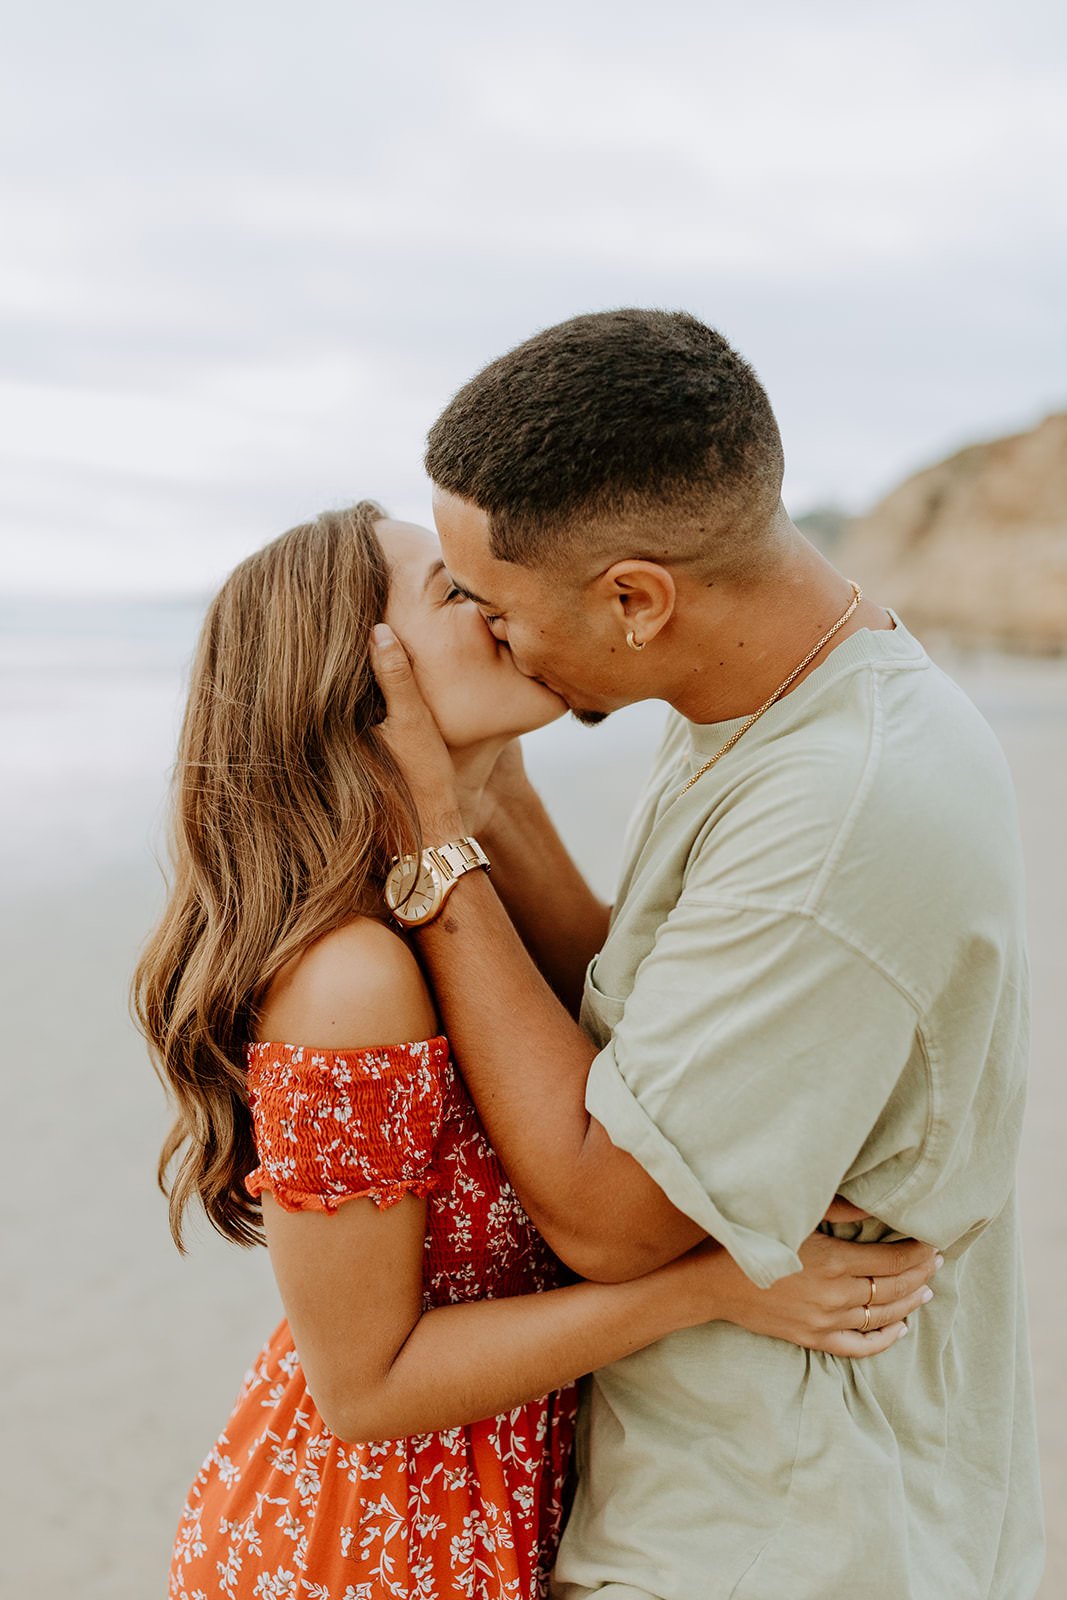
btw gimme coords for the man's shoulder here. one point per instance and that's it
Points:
(935, 769)
(903, 745)
(888, 779)
(922, 855)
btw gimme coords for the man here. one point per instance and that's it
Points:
(814, 979)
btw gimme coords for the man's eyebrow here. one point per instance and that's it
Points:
(470, 595)
(439, 567)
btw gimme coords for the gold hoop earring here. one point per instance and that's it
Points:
(631, 640)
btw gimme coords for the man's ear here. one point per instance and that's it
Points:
(643, 596)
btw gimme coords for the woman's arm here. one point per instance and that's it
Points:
(379, 1367)
(351, 1282)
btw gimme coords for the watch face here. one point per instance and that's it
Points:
(413, 890)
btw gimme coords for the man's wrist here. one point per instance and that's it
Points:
(442, 827)
(509, 805)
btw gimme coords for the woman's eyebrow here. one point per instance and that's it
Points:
(436, 568)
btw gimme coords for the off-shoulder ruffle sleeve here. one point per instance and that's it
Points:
(337, 1125)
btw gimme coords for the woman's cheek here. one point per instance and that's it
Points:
(478, 640)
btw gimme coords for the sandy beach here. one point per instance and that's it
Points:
(120, 1359)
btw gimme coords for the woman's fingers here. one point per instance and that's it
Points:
(905, 1283)
(857, 1345)
(842, 1210)
(414, 739)
(839, 1276)
(403, 702)
(889, 1260)
(857, 1291)
(894, 1310)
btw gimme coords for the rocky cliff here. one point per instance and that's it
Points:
(975, 546)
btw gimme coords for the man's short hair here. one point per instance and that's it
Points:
(632, 425)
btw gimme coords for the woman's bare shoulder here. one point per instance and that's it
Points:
(354, 988)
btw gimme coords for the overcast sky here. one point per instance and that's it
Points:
(250, 249)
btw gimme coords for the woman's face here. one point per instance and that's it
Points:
(466, 677)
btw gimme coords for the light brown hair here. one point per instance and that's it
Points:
(287, 808)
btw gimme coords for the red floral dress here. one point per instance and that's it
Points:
(284, 1510)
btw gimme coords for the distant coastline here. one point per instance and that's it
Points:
(971, 550)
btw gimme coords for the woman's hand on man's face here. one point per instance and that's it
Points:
(415, 741)
(452, 798)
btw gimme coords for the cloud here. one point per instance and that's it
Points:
(254, 251)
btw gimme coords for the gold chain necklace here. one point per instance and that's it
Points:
(857, 596)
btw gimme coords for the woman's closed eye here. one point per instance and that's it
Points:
(453, 594)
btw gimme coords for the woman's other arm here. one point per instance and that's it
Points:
(378, 1366)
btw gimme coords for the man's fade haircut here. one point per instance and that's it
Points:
(620, 433)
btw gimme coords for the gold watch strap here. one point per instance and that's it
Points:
(456, 857)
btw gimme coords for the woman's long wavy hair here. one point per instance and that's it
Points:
(287, 809)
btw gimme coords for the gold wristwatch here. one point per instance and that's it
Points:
(416, 887)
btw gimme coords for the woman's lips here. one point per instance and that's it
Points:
(543, 683)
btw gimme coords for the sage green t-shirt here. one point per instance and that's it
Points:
(815, 980)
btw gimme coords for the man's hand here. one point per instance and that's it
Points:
(506, 792)
(415, 740)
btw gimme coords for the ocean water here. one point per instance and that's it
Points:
(89, 708)
(91, 695)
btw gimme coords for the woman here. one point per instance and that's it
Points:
(418, 1443)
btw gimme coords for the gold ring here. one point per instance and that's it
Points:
(870, 1297)
(866, 1319)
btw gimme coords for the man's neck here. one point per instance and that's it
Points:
(734, 646)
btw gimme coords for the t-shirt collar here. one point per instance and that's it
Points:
(866, 645)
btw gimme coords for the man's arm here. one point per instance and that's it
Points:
(560, 920)
(525, 1061)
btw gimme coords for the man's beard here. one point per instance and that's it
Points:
(589, 719)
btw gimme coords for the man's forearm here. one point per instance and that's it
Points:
(560, 920)
(526, 1061)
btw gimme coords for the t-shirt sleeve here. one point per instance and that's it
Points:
(747, 1068)
(337, 1125)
